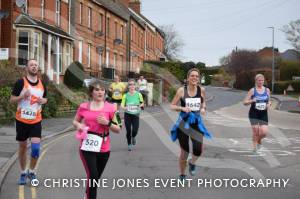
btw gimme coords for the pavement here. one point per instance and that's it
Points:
(56, 126)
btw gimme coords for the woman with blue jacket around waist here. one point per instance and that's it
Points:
(189, 124)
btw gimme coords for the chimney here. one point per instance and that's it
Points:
(125, 2)
(135, 5)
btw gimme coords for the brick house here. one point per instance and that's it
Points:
(98, 33)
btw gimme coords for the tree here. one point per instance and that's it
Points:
(292, 31)
(241, 63)
(224, 60)
(172, 42)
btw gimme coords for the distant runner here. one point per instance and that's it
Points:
(259, 99)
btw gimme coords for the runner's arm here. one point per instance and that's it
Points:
(15, 95)
(203, 95)
(248, 100)
(175, 100)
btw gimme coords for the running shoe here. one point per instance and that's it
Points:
(258, 147)
(31, 176)
(22, 179)
(182, 177)
(130, 147)
(133, 141)
(192, 169)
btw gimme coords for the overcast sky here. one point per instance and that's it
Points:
(211, 29)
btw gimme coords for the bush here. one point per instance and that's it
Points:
(279, 87)
(74, 75)
(288, 70)
(171, 93)
(9, 109)
(9, 73)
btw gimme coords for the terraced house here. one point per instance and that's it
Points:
(106, 36)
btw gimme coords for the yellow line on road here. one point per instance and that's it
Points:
(33, 192)
(21, 192)
(45, 149)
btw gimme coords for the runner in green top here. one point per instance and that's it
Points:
(132, 102)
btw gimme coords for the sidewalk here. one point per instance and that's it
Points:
(9, 145)
(286, 103)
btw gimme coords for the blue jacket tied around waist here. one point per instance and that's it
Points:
(192, 118)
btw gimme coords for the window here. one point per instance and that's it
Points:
(115, 60)
(121, 32)
(43, 9)
(23, 48)
(107, 58)
(36, 54)
(121, 64)
(100, 60)
(68, 55)
(57, 55)
(100, 22)
(89, 55)
(90, 17)
(107, 26)
(80, 51)
(57, 13)
(80, 13)
(131, 33)
(116, 30)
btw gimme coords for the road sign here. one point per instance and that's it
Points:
(4, 53)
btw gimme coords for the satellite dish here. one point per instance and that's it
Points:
(20, 3)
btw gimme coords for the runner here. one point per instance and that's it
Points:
(189, 124)
(132, 103)
(117, 89)
(259, 98)
(142, 85)
(29, 94)
(99, 116)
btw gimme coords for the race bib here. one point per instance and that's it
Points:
(28, 113)
(261, 106)
(117, 93)
(92, 143)
(133, 108)
(193, 103)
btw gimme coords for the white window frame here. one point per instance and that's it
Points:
(80, 51)
(89, 17)
(68, 54)
(57, 12)
(80, 12)
(89, 54)
(23, 44)
(36, 46)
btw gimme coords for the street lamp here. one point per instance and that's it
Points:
(273, 57)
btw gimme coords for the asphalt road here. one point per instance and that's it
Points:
(227, 157)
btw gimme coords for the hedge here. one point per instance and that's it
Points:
(288, 70)
(74, 75)
(279, 87)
